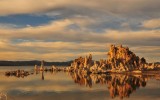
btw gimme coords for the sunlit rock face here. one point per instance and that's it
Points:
(82, 64)
(122, 59)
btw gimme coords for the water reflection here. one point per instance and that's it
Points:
(118, 85)
(123, 86)
(42, 75)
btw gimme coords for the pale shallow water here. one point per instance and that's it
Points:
(72, 86)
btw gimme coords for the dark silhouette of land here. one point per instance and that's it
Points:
(32, 63)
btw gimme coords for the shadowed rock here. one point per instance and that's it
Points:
(17, 73)
(43, 68)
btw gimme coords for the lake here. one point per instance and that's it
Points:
(73, 86)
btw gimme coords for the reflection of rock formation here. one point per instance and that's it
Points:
(42, 73)
(82, 79)
(118, 85)
(42, 76)
(123, 86)
(3, 96)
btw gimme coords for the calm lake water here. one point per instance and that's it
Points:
(72, 86)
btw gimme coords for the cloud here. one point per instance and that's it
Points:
(153, 23)
(114, 6)
(77, 28)
(57, 41)
(61, 31)
(50, 51)
(47, 56)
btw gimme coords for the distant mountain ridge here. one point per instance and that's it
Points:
(33, 62)
(37, 62)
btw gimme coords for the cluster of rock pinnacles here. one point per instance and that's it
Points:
(120, 59)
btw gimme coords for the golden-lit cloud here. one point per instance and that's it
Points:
(67, 43)
(33, 56)
(58, 30)
(153, 23)
(30, 6)
(81, 28)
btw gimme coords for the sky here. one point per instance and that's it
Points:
(62, 30)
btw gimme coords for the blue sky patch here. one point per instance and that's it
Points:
(26, 19)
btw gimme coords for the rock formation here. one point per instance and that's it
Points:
(120, 59)
(17, 73)
(43, 68)
(42, 65)
(81, 64)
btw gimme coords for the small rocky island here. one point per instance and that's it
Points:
(17, 73)
(120, 60)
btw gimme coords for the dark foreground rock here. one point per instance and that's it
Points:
(52, 68)
(17, 73)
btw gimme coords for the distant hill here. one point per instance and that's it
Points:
(36, 62)
(157, 63)
(32, 63)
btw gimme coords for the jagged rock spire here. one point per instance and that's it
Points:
(121, 58)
